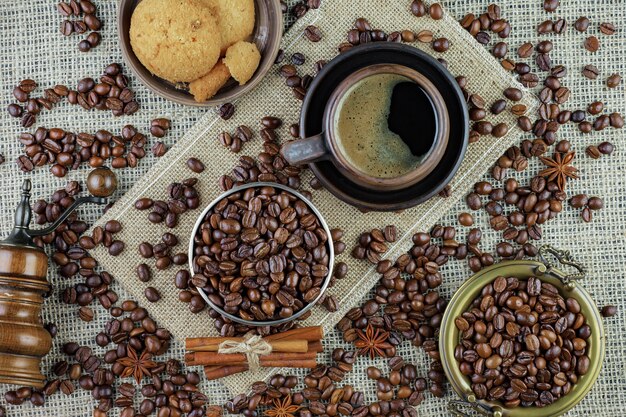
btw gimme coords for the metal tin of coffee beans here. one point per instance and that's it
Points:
(568, 286)
(329, 247)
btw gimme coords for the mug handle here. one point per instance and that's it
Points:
(305, 151)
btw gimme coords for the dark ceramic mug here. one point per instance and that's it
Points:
(325, 146)
(316, 107)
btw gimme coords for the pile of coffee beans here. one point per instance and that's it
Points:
(489, 21)
(162, 252)
(105, 237)
(89, 21)
(64, 150)
(69, 252)
(166, 389)
(235, 141)
(268, 166)
(406, 303)
(322, 395)
(31, 107)
(522, 343)
(160, 126)
(110, 93)
(299, 9)
(261, 254)
(587, 204)
(181, 197)
(516, 209)
(372, 245)
(401, 388)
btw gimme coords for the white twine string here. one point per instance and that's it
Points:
(252, 346)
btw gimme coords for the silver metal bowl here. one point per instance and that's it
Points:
(329, 243)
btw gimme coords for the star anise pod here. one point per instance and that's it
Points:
(559, 168)
(282, 408)
(372, 342)
(137, 365)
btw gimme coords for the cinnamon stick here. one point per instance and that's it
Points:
(212, 358)
(217, 372)
(309, 334)
(290, 346)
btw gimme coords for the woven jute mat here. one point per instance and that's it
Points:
(465, 57)
(30, 46)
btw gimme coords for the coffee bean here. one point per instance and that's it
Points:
(408, 36)
(418, 8)
(226, 111)
(590, 71)
(550, 5)
(612, 81)
(581, 24)
(195, 165)
(116, 247)
(425, 36)
(500, 130)
(592, 44)
(84, 45)
(607, 28)
(525, 50)
(609, 311)
(595, 203)
(441, 44)
(435, 11)
(466, 219)
(513, 94)
(85, 314)
(593, 152)
(152, 294)
(143, 273)
(313, 33)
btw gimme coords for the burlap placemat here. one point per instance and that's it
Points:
(465, 57)
(30, 46)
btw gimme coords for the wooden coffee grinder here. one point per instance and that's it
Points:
(23, 284)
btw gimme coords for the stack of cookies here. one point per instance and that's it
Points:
(199, 43)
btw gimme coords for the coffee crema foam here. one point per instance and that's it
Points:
(361, 124)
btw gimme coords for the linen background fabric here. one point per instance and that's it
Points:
(32, 47)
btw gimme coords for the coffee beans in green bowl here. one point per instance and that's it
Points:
(261, 254)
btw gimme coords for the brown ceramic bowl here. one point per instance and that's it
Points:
(268, 30)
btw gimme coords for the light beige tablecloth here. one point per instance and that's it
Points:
(32, 47)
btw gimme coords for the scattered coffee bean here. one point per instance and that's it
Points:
(609, 311)
(613, 80)
(152, 294)
(195, 165)
(607, 28)
(441, 44)
(592, 44)
(581, 24)
(226, 111)
(313, 33)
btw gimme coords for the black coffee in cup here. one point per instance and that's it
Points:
(385, 125)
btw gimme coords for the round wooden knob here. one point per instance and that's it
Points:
(101, 182)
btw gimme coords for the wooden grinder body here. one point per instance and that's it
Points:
(23, 339)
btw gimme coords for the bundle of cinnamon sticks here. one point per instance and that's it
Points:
(296, 348)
